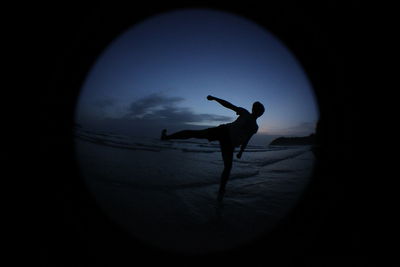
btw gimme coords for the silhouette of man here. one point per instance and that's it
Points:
(230, 135)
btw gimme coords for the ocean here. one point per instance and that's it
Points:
(164, 193)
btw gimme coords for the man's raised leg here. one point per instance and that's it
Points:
(185, 134)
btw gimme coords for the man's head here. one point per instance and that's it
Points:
(258, 109)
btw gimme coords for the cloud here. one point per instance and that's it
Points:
(147, 104)
(105, 103)
(150, 114)
(159, 107)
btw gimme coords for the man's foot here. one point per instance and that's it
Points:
(164, 134)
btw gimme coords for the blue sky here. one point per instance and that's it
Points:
(158, 73)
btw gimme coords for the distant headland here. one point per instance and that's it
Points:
(294, 141)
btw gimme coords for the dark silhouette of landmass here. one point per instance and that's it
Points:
(294, 141)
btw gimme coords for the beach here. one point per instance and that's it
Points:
(165, 192)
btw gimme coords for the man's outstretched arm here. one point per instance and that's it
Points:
(225, 104)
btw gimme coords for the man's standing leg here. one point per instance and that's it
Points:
(227, 156)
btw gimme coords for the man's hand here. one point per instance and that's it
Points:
(210, 97)
(239, 155)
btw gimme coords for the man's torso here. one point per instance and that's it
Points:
(242, 128)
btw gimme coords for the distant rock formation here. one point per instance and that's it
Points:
(294, 141)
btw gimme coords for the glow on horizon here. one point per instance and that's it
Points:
(185, 55)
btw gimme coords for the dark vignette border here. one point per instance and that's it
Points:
(322, 230)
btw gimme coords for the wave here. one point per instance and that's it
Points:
(156, 145)
(117, 144)
(276, 160)
(282, 171)
(244, 175)
(199, 150)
